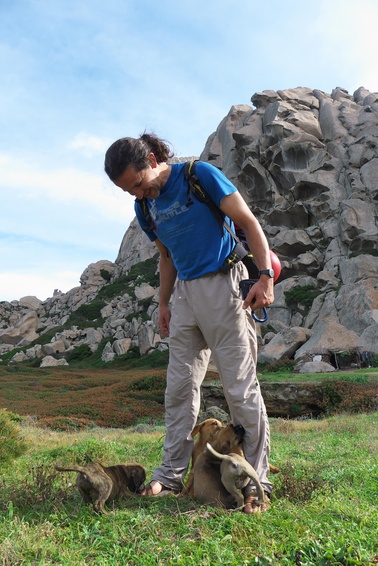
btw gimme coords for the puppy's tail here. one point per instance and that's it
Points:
(215, 453)
(70, 469)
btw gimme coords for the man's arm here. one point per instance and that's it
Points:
(168, 274)
(235, 207)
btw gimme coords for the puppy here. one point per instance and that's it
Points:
(98, 484)
(236, 473)
(207, 431)
(207, 484)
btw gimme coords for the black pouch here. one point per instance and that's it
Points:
(245, 285)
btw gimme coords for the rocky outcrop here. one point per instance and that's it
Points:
(302, 399)
(306, 162)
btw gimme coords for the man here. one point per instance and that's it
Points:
(208, 313)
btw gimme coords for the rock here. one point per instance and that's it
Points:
(30, 302)
(328, 336)
(107, 354)
(135, 247)
(214, 413)
(93, 336)
(24, 329)
(281, 399)
(122, 346)
(368, 340)
(93, 275)
(316, 367)
(19, 357)
(50, 361)
(283, 345)
(147, 338)
(56, 347)
(144, 291)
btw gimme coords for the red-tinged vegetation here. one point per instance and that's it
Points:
(62, 398)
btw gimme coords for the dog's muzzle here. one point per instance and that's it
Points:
(240, 432)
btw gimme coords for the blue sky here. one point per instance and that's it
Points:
(78, 74)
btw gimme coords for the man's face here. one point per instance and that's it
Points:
(145, 183)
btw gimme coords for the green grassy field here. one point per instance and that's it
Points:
(324, 505)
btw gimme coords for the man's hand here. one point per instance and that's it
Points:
(260, 295)
(164, 320)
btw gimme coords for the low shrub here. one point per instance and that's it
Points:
(64, 424)
(80, 353)
(304, 295)
(299, 484)
(86, 314)
(337, 396)
(284, 364)
(11, 443)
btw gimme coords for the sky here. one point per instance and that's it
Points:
(76, 75)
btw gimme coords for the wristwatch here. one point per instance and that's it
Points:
(269, 272)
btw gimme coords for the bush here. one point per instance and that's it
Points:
(11, 443)
(337, 396)
(284, 364)
(80, 353)
(303, 295)
(86, 314)
(105, 274)
(145, 272)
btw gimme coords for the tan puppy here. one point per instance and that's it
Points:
(236, 473)
(207, 431)
(98, 484)
(207, 485)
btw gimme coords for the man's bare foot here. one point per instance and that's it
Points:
(153, 488)
(251, 505)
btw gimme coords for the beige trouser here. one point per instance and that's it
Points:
(207, 315)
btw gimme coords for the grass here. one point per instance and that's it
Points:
(324, 505)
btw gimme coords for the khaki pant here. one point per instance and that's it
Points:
(207, 315)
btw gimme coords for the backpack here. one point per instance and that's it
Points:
(240, 251)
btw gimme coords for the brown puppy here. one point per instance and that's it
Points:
(236, 473)
(207, 484)
(98, 484)
(207, 431)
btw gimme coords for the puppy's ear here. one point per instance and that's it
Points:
(196, 429)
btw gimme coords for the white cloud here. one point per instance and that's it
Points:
(13, 286)
(89, 144)
(34, 183)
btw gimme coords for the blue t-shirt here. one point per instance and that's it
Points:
(190, 231)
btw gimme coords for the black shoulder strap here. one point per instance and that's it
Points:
(194, 187)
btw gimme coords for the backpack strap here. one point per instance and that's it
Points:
(195, 188)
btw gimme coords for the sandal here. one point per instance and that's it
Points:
(251, 505)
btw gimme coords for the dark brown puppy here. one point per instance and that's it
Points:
(98, 484)
(207, 484)
(207, 431)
